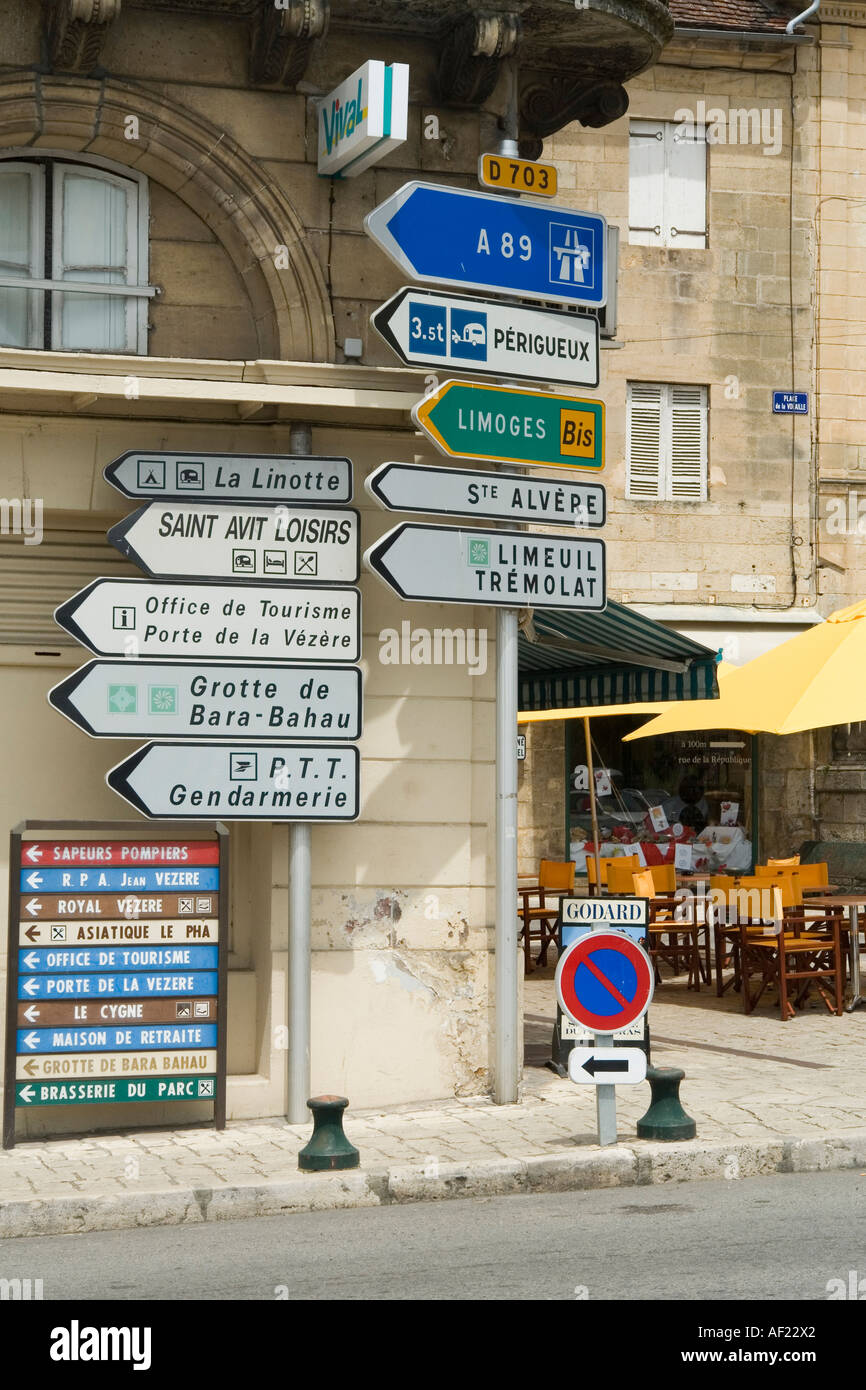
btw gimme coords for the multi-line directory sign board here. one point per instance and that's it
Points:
(231, 477)
(143, 618)
(283, 545)
(207, 700)
(115, 998)
(511, 569)
(412, 487)
(284, 782)
(481, 241)
(429, 329)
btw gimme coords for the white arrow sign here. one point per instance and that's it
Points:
(33, 853)
(279, 544)
(136, 617)
(27, 1093)
(34, 880)
(30, 1040)
(607, 1066)
(33, 906)
(181, 781)
(231, 477)
(512, 569)
(31, 960)
(31, 1013)
(211, 700)
(30, 987)
(410, 487)
(429, 329)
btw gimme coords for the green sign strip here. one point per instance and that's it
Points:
(113, 1089)
(469, 420)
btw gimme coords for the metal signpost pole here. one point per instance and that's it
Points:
(508, 1034)
(300, 915)
(605, 1101)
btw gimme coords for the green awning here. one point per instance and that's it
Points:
(615, 657)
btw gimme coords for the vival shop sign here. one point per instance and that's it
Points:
(231, 477)
(511, 569)
(207, 700)
(140, 618)
(426, 328)
(481, 241)
(363, 119)
(286, 545)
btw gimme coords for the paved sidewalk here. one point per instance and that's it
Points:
(767, 1097)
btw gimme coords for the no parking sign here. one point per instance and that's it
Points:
(604, 981)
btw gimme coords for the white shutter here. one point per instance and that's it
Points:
(95, 220)
(36, 579)
(644, 441)
(21, 252)
(688, 448)
(646, 181)
(685, 214)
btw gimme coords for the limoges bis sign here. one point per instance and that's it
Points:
(363, 119)
(472, 420)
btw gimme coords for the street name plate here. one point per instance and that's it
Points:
(156, 929)
(181, 781)
(50, 1013)
(138, 617)
(513, 569)
(124, 699)
(278, 544)
(231, 477)
(153, 1088)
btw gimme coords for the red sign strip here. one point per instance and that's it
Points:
(48, 854)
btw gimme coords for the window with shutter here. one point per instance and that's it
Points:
(667, 185)
(21, 252)
(666, 443)
(64, 222)
(646, 177)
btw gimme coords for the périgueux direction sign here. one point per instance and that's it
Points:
(283, 544)
(410, 487)
(468, 419)
(482, 241)
(143, 618)
(180, 781)
(194, 699)
(512, 569)
(426, 328)
(231, 477)
(364, 118)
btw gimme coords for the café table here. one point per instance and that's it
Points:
(853, 902)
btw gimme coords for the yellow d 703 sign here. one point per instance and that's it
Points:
(517, 175)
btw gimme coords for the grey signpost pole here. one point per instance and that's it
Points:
(508, 1031)
(300, 915)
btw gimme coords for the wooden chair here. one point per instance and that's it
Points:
(554, 876)
(669, 937)
(620, 872)
(814, 878)
(604, 864)
(804, 952)
(749, 901)
(664, 879)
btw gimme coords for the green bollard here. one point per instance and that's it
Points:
(666, 1118)
(328, 1147)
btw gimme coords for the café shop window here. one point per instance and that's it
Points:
(683, 799)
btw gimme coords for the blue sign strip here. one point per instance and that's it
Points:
(54, 958)
(147, 985)
(488, 242)
(166, 880)
(139, 1038)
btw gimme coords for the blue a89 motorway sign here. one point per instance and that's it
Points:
(454, 236)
